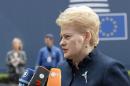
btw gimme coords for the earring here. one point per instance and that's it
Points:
(86, 46)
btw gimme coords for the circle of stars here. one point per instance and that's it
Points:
(114, 29)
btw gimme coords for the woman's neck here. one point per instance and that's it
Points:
(79, 58)
(16, 50)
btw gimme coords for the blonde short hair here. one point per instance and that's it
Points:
(83, 17)
(18, 40)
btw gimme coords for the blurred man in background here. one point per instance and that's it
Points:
(49, 56)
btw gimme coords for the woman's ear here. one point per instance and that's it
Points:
(87, 36)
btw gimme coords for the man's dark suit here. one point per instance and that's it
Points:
(95, 70)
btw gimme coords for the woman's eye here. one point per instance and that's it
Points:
(67, 36)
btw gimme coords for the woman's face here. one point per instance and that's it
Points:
(16, 44)
(72, 42)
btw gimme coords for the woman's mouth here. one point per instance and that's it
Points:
(65, 50)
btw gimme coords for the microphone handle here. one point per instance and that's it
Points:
(40, 77)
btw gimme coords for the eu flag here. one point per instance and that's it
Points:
(113, 26)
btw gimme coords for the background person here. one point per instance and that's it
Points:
(16, 60)
(49, 56)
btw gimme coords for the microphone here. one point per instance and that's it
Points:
(54, 77)
(40, 77)
(26, 77)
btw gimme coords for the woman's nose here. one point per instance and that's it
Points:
(62, 42)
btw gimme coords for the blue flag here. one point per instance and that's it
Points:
(113, 26)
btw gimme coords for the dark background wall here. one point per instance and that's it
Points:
(32, 19)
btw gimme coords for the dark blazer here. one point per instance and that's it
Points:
(96, 69)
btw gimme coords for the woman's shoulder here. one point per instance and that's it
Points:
(9, 52)
(22, 52)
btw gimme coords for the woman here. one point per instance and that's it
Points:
(16, 59)
(85, 65)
